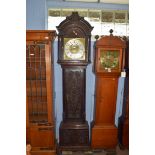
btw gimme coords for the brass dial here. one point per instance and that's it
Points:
(74, 48)
(109, 60)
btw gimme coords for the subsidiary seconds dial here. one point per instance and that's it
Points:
(74, 48)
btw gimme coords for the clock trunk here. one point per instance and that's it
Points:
(74, 130)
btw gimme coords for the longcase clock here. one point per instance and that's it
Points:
(74, 55)
(40, 127)
(109, 53)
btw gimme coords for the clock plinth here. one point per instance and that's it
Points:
(74, 55)
(74, 136)
(104, 136)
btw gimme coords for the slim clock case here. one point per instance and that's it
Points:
(40, 127)
(108, 64)
(73, 56)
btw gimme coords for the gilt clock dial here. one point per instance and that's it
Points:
(74, 49)
(109, 60)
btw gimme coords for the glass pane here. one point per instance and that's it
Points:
(94, 16)
(82, 13)
(107, 16)
(101, 20)
(106, 27)
(54, 13)
(120, 17)
(66, 13)
(97, 28)
(36, 83)
(120, 29)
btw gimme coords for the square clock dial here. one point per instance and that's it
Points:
(74, 49)
(109, 60)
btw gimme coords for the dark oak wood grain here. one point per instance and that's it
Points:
(74, 129)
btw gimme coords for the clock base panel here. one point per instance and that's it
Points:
(42, 151)
(104, 137)
(74, 136)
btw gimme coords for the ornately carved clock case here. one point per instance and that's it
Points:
(74, 129)
(109, 53)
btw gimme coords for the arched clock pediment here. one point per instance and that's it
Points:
(74, 32)
(75, 21)
(74, 27)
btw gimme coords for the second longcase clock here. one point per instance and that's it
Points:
(74, 55)
(109, 53)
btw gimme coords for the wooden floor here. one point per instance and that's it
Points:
(116, 151)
